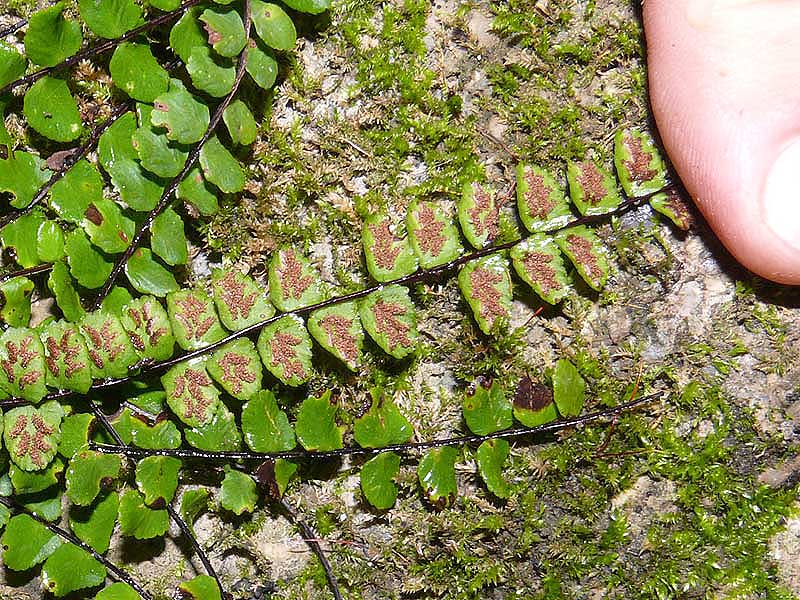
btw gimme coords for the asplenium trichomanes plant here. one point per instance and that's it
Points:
(198, 371)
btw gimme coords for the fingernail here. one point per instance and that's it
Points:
(781, 199)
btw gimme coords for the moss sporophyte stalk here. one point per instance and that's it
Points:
(243, 290)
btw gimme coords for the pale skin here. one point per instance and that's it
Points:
(725, 92)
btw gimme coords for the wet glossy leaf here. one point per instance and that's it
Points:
(202, 587)
(31, 435)
(52, 111)
(110, 18)
(87, 472)
(31, 482)
(284, 470)
(433, 234)
(148, 327)
(187, 34)
(265, 426)
(20, 235)
(191, 394)
(46, 505)
(50, 37)
(220, 167)
(110, 349)
(21, 175)
(167, 238)
(376, 480)
(107, 227)
(211, 73)
(75, 430)
(225, 31)
(193, 502)
(16, 301)
(486, 285)
(261, 64)
(388, 254)
(163, 434)
(139, 521)
(26, 543)
(338, 329)
(314, 7)
(486, 408)
(194, 318)
(639, 165)
(437, 475)
(120, 590)
(285, 349)
(221, 433)
(293, 281)
(237, 368)
(60, 283)
(537, 260)
(23, 370)
(86, 264)
(181, 113)
(533, 403)
(50, 242)
(157, 478)
(240, 122)
(389, 317)
(586, 252)
(592, 188)
(316, 424)
(66, 357)
(196, 191)
(148, 276)
(383, 425)
(490, 457)
(12, 64)
(569, 389)
(238, 492)
(273, 25)
(70, 568)
(478, 214)
(156, 153)
(541, 201)
(94, 524)
(72, 194)
(240, 301)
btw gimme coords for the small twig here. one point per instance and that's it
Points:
(121, 575)
(310, 538)
(13, 28)
(562, 424)
(100, 48)
(166, 197)
(74, 157)
(26, 272)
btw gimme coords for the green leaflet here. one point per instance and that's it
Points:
(237, 368)
(16, 301)
(89, 470)
(273, 25)
(137, 520)
(383, 425)
(314, 7)
(20, 235)
(486, 408)
(27, 543)
(66, 357)
(285, 349)
(238, 492)
(157, 479)
(202, 587)
(569, 389)
(261, 64)
(265, 426)
(390, 318)
(181, 113)
(240, 301)
(433, 234)
(221, 433)
(21, 175)
(75, 430)
(23, 369)
(640, 168)
(194, 319)
(12, 64)
(220, 167)
(191, 394)
(194, 190)
(106, 226)
(486, 285)
(193, 502)
(225, 31)
(52, 111)
(31, 435)
(672, 206)
(437, 476)
(167, 238)
(148, 276)
(31, 482)
(110, 18)
(338, 330)
(388, 255)
(136, 72)
(120, 590)
(537, 260)
(377, 483)
(586, 252)
(149, 328)
(490, 457)
(186, 34)
(86, 264)
(316, 424)
(50, 242)
(533, 404)
(155, 151)
(478, 215)
(592, 188)
(95, 523)
(293, 281)
(50, 37)
(240, 122)
(81, 186)
(212, 74)
(541, 202)
(110, 350)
